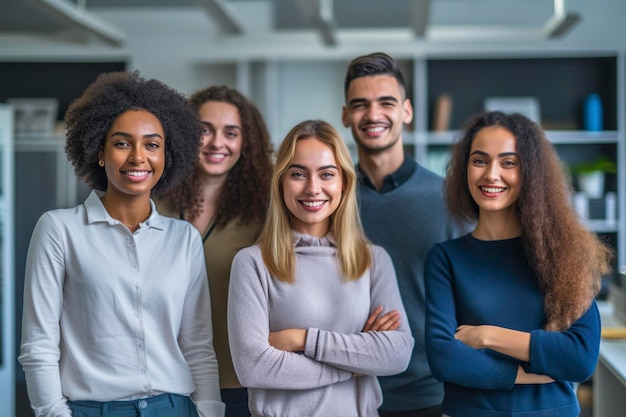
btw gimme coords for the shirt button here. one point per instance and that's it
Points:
(146, 388)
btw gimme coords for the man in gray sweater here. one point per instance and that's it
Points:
(402, 209)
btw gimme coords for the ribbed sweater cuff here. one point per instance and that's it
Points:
(311, 344)
(506, 375)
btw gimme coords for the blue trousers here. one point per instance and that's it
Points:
(164, 405)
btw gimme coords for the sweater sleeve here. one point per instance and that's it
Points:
(256, 362)
(41, 333)
(369, 353)
(450, 360)
(570, 355)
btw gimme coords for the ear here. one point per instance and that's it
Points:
(344, 116)
(408, 111)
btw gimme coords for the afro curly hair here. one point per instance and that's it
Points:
(89, 118)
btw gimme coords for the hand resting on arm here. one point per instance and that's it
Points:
(506, 341)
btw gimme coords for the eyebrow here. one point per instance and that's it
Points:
(322, 168)
(382, 98)
(209, 124)
(500, 155)
(128, 135)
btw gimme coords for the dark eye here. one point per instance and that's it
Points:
(153, 145)
(509, 164)
(327, 175)
(206, 131)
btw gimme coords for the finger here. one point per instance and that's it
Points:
(372, 318)
(391, 324)
(383, 322)
(395, 325)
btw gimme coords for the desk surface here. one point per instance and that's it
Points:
(612, 352)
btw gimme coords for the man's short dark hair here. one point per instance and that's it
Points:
(377, 63)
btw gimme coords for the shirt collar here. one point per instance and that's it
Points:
(96, 212)
(394, 180)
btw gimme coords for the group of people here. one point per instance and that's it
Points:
(207, 276)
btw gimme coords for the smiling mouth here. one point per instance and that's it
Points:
(136, 173)
(374, 129)
(215, 156)
(492, 189)
(312, 203)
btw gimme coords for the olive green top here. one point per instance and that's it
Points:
(220, 246)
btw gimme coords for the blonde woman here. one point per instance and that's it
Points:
(314, 311)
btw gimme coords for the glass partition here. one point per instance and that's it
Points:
(7, 312)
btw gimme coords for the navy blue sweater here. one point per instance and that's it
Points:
(469, 281)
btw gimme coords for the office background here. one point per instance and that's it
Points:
(289, 56)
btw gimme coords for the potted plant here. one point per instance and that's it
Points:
(590, 175)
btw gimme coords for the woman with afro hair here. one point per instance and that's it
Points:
(511, 321)
(225, 197)
(116, 301)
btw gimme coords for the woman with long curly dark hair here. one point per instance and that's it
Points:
(116, 298)
(511, 321)
(225, 198)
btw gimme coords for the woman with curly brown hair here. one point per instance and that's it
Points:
(511, 321)
(225, 198)
(116, 298)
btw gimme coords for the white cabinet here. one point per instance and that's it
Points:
(609, 380)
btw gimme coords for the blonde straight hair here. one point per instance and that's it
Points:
(276, 239)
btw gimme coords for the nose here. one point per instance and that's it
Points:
(214, 141)
(137, 155)
(373, 113)
(493, 172)
(312, 186)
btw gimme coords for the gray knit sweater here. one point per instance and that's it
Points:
(318, 381)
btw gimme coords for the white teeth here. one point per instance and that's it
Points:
(137, 173)
(312, 203)
(492, 189)
(375, 129)
(216, 156)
